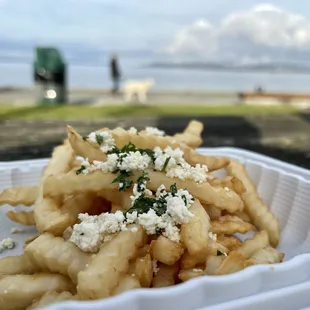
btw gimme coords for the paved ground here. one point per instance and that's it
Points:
(27, 96)
(284, 137)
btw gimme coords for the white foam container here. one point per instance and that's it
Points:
(284, 187)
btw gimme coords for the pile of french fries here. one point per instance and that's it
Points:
(53, 269)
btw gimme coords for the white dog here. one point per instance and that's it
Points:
(138, 88)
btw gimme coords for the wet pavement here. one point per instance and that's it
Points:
(284, 137)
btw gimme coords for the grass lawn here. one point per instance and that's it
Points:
(82, 112)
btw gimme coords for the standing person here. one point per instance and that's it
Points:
(115, 73)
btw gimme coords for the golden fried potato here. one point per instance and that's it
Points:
(229, 225)
(166, 251)
(188, 274)
(11, 265)
(126, 283)
(165, 276)
(17, 292)
(51, 297)
(259, 213)
(144, 270)
(105, 269)
(19, 196)
(56, 255)
(22, 217)
(195, 233)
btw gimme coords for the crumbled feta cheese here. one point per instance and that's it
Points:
(137, 194)
(134, 161)
(155, 267)
(16, 230)
(133, 131)
(212, 236)
(154, 131)
(226, 189)
(107, 140)
(86, 236)
(150, 221)
(7, 244)
(197, 270)
(177, 209)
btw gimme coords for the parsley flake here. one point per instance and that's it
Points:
(79, 171)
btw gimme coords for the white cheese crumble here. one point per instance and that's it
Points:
(154, 131)
(226, 189)
(197, 270)
(108, 142)
(92, 231)
(133, 131)
(7, 244)
(172, 161)
(155, 266)
(16, 230)
(133, 161)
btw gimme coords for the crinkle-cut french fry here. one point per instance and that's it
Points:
(51, 297)
(231, 243)
(166, 251)
(259, 213)
(234, 262)
(165, 276)
(213, 263)
(11, 265)
(258, 241)
(47, 209)
(122, 137)
(18, 292)
(213, 212)
(187, 274)
(105, 268)
(195, 232)
(229, 182)
(22, 217)
(267, 255)
(191, 135)
(30, 239)
(243, 216)
(56, 255)
(144, 270)
(19, 196)
(215, 247)
(58, 219)
(189, 261)
(230, 224)
(71, 183)
(116, 197)
(127, 283)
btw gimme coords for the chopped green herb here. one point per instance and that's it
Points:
(166, 163)
(121, 178)
(219, 253)
(173, 189)
(85, 138)
(99, 139)
(79, 171)
(142, 180)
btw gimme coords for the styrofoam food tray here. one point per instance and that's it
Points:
(285, 188)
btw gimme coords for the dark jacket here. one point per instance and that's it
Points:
(115, 72)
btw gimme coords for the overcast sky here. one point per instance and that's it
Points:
(208, 29)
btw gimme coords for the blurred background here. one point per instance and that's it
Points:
(242, 67)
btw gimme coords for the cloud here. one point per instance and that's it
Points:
(264, 33)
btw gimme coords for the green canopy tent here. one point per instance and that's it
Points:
(50, 76)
